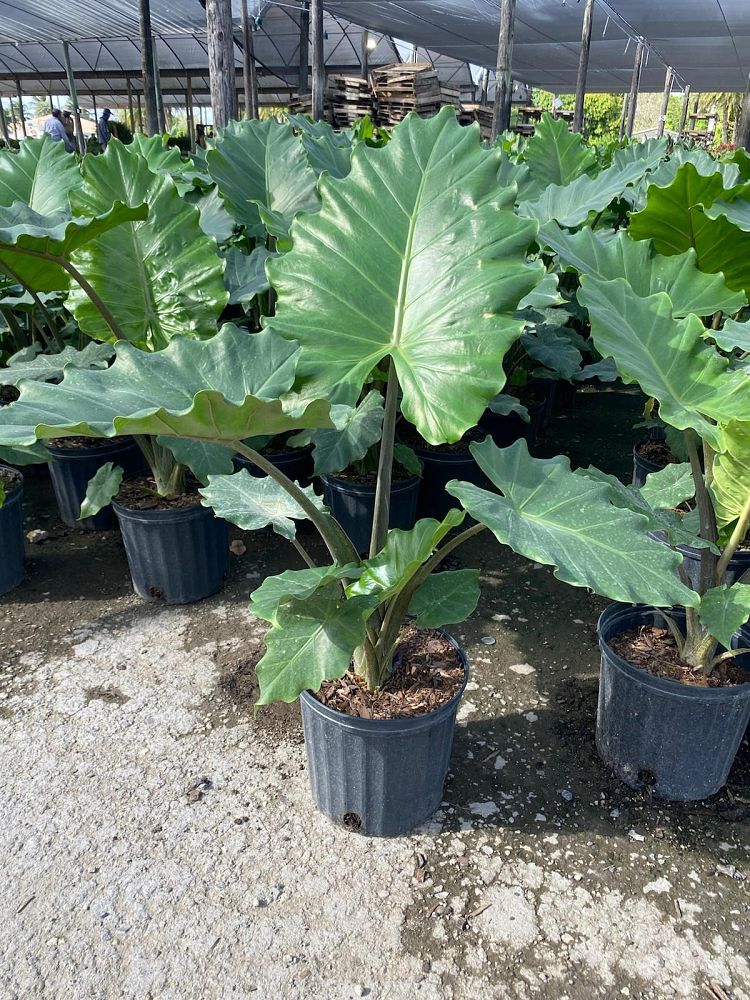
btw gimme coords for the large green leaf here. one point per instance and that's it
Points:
(41, 175)
(359, 429)
(412, 256)
(245, 274)
(311, 640)
(724, 609)
(102, 486)
(221, 390)
(33, 246)
(160, 276)
(203, 458)
(326, 148)
(670, 486)
(613, 256)
(295, 583)
(252, 502)
(675, 219)
(261, 165)
(214, 219)
(50, 366)
(402, 555)
(570, 204)
(668, 358)
(556, 155)
(731, 485)
(553, 516)
(732, 336)
(445, 598)
(735, 207)
(164, 159)
(552, 350)
(666, 172)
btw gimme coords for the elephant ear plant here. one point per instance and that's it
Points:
(675, 544)
(414, 263)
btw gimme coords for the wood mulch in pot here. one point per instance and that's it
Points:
(79, 442)
(138, 494)
(657, 452)
(427, 673)
(653, 649)
(409, 435)
(10, 479)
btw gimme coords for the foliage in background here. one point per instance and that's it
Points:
(601, 112)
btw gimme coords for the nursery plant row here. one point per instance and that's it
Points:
(391, 317)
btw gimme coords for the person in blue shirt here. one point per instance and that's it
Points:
(56, 130)
(103, 133)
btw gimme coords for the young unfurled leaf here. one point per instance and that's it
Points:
(503, 405)
(556, 155)
(554, 516)
(103, 485)
(669, 487)
(354, 435)
(724, 609)
(298, 584)
(253, 503)
(245, 274)
(445, 598)
(407, 458)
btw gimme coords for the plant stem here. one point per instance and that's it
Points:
(709, 531)
(330, 530)
(304, 553)
(736, 539)
(39, 304)
(385, 465)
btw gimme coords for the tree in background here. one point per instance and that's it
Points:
(601, 112)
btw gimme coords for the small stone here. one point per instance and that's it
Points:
(36, 536)
(360, 990)
(237, 547)
(531, 716)
(501, 618)
(488, 640)
(659, 885)
(522, 668)
(566, 794)
(634, 835)
(540, 818)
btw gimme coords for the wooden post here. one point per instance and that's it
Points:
(49, 98)
(96, 114)
(318, 59)
(665, 101)
(485, 86)
(623, 116)
(364, 55)
(140, 110)
(634, 84)
(4, 124)
(160, 116)
(249, 74)
(147, 69)
(303, 86)
(73, 94)
(189, 112)
(583, 65)
(743, 132)
(685, 106)
(13, 118)
(20, 107)
(503, 70)
(221, 61)
(130, 104)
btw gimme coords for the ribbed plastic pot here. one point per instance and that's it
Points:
(739, 564)
(438, 468)
(296, 465)
(642, 467)
(505, 429)
(72, 468)
(176, 556)
(11, 538)
(353, 506)
(676, 739)
(379, 777)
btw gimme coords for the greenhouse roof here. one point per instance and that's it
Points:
(706, 41)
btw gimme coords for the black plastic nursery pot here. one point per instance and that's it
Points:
(296, 464)
(11, 535)
(677, 739)
(438, 468)
(72, 468)
(176, 556)
(504, 429)
(379, 777)
(739, 564)
(642, 466)
(353, 506)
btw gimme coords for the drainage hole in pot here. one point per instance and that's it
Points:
(352, 822)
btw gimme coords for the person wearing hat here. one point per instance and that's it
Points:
(103, 133)
(54, 127)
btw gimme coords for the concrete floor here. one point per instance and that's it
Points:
(159, 842)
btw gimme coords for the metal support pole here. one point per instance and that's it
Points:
(318, 59)
(685, 106)
(485, 86)
(634, 85)
(303, 86)
(4, 124)
(364, 55)
(140, 110)
(189, 113)
(623, 116)
(49, 98)
(20, 107)
(130, 104)
(743, 132)
(665, 101)
(160, 117)
(73, 94)
(221, 61)
(147, 68)
(503, 70)
(583, 65)
(249, 75)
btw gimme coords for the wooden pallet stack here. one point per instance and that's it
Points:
(405, 87)
(481, 113)
(350, 98)
(301, 104)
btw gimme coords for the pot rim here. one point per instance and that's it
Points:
(397, 485)
(172, 514)
(391, 727)
(86, 452)
(638, 674)
(17, 487)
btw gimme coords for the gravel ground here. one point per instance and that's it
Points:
(159, 840)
